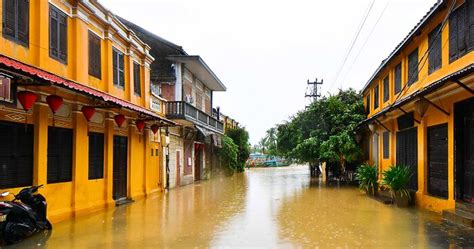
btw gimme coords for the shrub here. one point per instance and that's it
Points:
(228, 153)
(366, 174)
(396, 178)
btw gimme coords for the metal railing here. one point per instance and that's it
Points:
(183, 110)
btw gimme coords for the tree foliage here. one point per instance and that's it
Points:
(228, 153)
(241, 138)
(324, 131)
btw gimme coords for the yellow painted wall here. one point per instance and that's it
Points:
(82, 195)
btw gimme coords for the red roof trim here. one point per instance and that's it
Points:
(33, 71)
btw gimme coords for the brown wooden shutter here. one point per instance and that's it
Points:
(63, 37)
(434, 56)
(96, 155)
(413, 67)
(94, 56)
(136, 77)
(59, 155)
(398, 78)
(462, 29)
(9, 18)
(471, 23)
(23, 21)
(115, 65)
(53, 33)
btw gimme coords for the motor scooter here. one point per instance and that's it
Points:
(24, 216)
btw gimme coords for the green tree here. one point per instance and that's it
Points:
(241, 138)
(228, 154)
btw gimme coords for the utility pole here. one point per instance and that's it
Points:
(312, 90)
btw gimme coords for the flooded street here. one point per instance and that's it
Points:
(262, 208)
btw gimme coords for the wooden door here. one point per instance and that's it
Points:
(178, 168)
(120, 167)
(468, 181)
(438, 160)
(407, 153)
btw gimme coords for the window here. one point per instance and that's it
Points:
(136, 79)
(16, 25)
(367, 104)
(461, 30)
(95, 65)
(413, 67)
(7, 89)
(376, 97)
(434, 56)
(59, 155)
(386, 145)
(398, 78)
(16, 155)
(118, 63)
(386, 89)
(96, 155)
(57, 34)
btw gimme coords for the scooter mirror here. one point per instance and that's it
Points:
(5, 194)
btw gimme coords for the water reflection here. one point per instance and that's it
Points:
(260, 208)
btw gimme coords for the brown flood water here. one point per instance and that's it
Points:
(260, 208)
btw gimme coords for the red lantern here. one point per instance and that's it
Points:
(119, 119)
(88, 112)
(140, 125)
(155, 128)
(27, 99)
(55, 102)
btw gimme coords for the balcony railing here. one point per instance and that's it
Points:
(183, 110)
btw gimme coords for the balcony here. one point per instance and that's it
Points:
(185, 111)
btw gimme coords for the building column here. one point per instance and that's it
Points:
(109, 159)
(451, 154)
(80, 173)
(422, 158)
(40, 172)
(147, 159)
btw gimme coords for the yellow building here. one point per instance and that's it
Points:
(64, 55)
(420, 107)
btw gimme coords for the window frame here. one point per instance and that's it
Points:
(397, 85)
(117, 56)
(96, 171)
(376, 97)
(137, 82)
(435, 57)
(15, 38)
(386, 88)
(95, 63)
(412, 66)
(50, 154)
(367, 100)
(60, 15)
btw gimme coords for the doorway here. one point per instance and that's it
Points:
(120, 167)
(464, 136)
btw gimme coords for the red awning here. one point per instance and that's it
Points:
(36, 72)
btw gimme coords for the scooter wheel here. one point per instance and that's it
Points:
(10, 236)
(48, 225)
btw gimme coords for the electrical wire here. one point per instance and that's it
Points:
(352, 44)
(365, 42)
(424, 58)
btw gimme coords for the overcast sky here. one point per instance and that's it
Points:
(265, 50)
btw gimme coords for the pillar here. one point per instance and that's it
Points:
(422, 157)
(80, 165)
(40, 173)
(109, 159)
(451, 154)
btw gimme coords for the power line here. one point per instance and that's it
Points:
(365, 42)
(353, 43)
